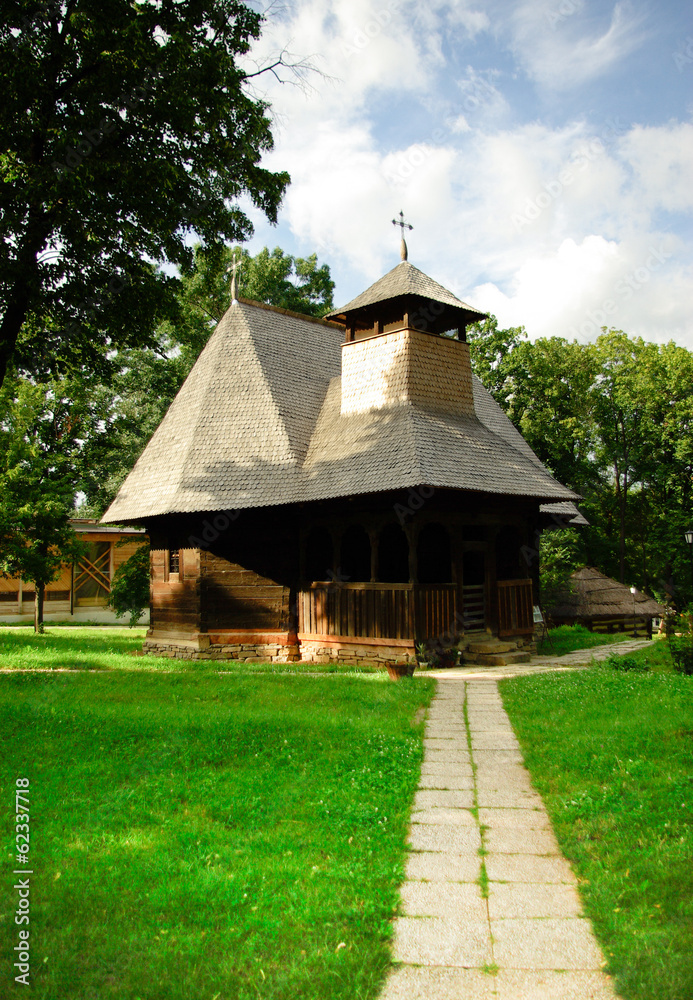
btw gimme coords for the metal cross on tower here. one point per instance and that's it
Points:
(233, 269)
(404, 253)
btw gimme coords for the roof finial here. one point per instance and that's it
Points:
(234, 268)
(404, 253)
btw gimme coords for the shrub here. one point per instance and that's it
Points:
(681, 645)
(627, 663)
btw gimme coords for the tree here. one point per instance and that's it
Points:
(131, 126)
(130, 585)
(490, 350)
(40, 428)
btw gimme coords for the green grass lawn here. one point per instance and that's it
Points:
(569, 638)
(83, 647)
(612, 754)
(208, 836)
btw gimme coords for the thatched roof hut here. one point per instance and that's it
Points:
(598, 601)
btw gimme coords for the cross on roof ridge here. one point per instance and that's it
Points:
(404, 253)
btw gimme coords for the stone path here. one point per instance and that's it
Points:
(490, 906)
(543, 664)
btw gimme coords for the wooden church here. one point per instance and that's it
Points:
(341, 489)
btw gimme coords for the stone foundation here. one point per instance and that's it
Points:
(356, 652)
(285, 647)
(245, 647)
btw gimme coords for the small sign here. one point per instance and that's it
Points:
(538, 617)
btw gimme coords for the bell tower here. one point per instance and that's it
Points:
(405, 343)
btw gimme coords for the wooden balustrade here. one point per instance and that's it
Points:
(411, 611)
(515, 607)
(378, 610)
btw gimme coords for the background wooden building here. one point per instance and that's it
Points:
(340, 489)
(81, 591)
(604, 605)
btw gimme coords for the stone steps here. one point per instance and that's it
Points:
(494, 652)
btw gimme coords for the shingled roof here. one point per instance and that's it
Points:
(257, 423)
(593, 595)
(404, 280)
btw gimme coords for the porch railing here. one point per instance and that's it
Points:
(378, 610)
(515, 607)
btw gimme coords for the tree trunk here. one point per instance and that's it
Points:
(38, 607)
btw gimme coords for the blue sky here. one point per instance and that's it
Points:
(542, 150)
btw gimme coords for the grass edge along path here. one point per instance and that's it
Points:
(611, 753)
(204, 835)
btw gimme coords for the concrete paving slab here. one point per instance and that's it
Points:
(452, 782)
(457, 741)
(516, 840)
(545, 944)
(434, 941)
(506, 777)
(434, 730)
(528, 868)
(435, 983)
(493, 741)
(450, 839)
(435, 798)
(496, 758)
(530, 819)
(456, 901)
(513, 984)
(522, 899)
(452, 770)
(508, 799)
(444, 816)
(447, 757)
(433, 867)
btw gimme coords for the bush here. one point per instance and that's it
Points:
(627, 663)
(681, 645)
(130, 586)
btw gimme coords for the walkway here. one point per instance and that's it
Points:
(490, 906)
(543, 664)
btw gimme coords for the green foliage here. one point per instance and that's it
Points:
(131, 126)
(612, 755)
(130, 585)
(626, 663)
(612, 420)
(41, 425)
(681, 644)
(246, 834)
(559, 555)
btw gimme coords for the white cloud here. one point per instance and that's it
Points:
(662, 160)
(575, 290)
(546, 40)
(539, 223)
